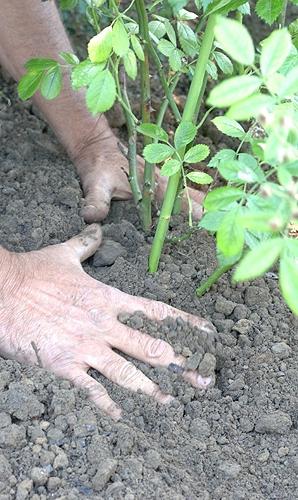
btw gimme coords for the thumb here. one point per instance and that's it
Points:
(97, 203)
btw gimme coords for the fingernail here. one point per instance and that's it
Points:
(116, 414)
(166, 399)
(203, 382)
(89, 213)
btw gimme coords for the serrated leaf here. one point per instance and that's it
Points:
(69, 58)
(222, 197)
(252, 163)
(199, 177)
(224, 63)
(187, 39)
(153, 131)
(224, 154)
(269, 10)
(40, 64)
(51, 83)
(175, 60)
(130, 64)
(29, 84)
(137, 47)
(212, 220)
(211, 69)
(233, 89)
(120, 38)
(185, 134)
(275, 50)
(67, 4)
(235, 170)
(157, 28)
(83, 74)
(230, 235)
(170, 32)
(100, 46)
(293, 30)
(156, 153)
(197, 153)
(101, 93)
(165, 47)
(288, 281)
(251, 107)
(258, 221)
(259, 260)
(235, 40)
(223, 6)
(229, 127)
(170, 167)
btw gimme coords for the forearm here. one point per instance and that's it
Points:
(33, 28)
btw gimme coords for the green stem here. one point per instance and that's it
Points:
(149, 177)
(163, 108)
(188, 113)
(282, 17)
(219, 271)
(163, 81)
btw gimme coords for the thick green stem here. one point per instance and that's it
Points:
(149, 177)
(188, 113)
(219, 271)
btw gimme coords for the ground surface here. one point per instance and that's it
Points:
(238, 441)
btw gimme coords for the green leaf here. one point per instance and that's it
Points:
(288, 281)
(197, 153)
(170, 167)
(212, 220)
(185, 134)
(175, 60)
(224, 63)
(232, 90)
(235, 170)
(275, 50)
(222, 197)
(101, 93)
(29, 84)
(69, 58)
(83, 74)
(253, 165)
(269, 10)
(235, 40)
(137, 47)
(229, 127)
(211, 69)
(230, 235)
(293, 29)
(100, 46)
(40, 64)
(259, 260)
(187, 39)
(67, 4)
(170, 32)
(156, 153)
(251, 107)
(120, 38)
(157, 28)
(153, 131)
(290, 85)
(258, 221)
(130, 64)
(51, 83)
(199, 177)
(165, 47)
(224, 154)
(223, 6)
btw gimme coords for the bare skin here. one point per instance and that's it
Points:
(55, 315)
(51, 312)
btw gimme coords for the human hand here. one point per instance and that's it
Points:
(56, 315)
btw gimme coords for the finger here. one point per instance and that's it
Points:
(86, 243)
(97, 202)
(155, 352)
(122, 372)
(159, 311)
(97, 393)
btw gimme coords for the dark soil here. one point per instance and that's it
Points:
(237, 441)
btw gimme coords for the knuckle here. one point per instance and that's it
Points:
(156, 348)
(160, 310)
